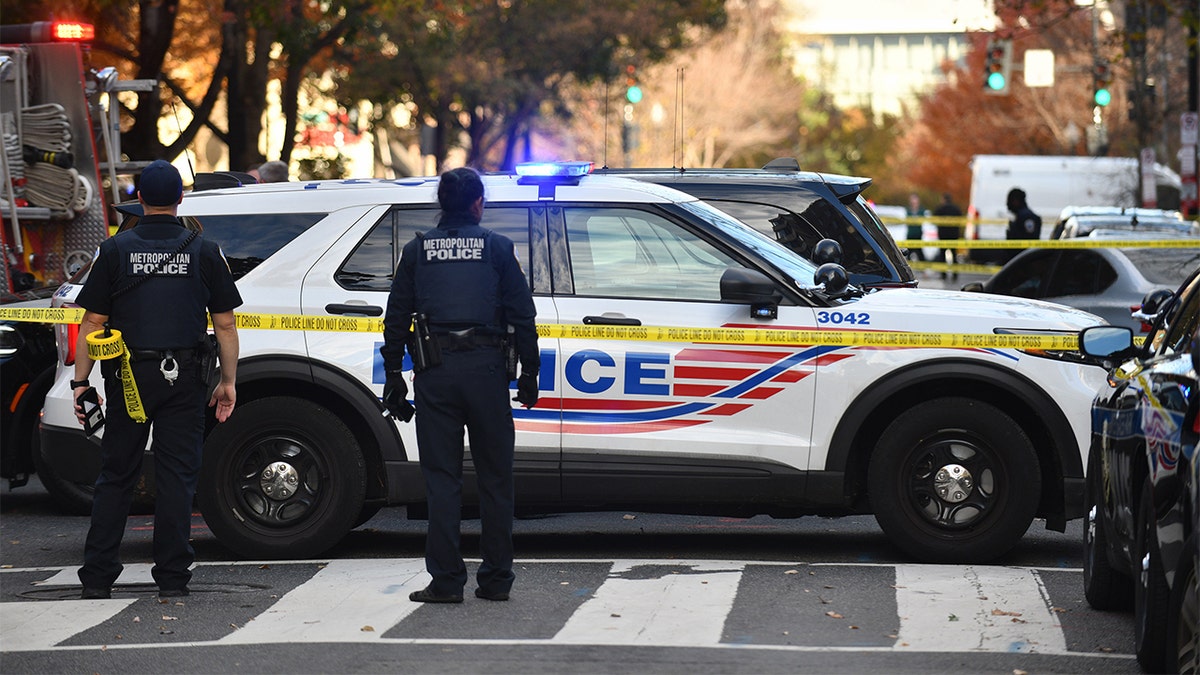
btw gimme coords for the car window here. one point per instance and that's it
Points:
(801, 233)
(629, 253)
(1164, 266)
(1178, 332)
(372, 264)
(1079, 273)
(249, 239)
(1025, 277)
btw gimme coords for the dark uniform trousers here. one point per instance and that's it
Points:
(469, 388)
(177, 413)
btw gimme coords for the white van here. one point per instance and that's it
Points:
(1052, 183)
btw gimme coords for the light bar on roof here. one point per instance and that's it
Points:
(554, 169)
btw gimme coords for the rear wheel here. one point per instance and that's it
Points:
(282, 477)
(1183, 632)
(1104, 586)
(954, 480)
(1150, 593)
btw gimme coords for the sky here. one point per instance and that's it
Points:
(830, 17)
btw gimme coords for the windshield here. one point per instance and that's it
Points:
(767, 249)
(1164, 266)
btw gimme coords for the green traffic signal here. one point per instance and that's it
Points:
(995, 81)
(1102, 97)
(633, 94)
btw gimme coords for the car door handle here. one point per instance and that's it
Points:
(606, 320)
(345, 308)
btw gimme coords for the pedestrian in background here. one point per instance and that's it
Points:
(464, 285)
(1025, 224)
(157, 284)
(948, 231)
(913, 231)
(273, 171)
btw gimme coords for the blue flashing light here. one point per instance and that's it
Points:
(532, 170)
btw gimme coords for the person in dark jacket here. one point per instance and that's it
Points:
(464, 285)
(1025, 224)
(948, 230)
(154, 285)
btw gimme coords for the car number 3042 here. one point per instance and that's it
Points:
(837, 318)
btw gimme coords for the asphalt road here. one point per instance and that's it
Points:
(596, 592)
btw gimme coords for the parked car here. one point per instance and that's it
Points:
(1140, 540)
(1109, 282)
(1079, 221)
(27, 358)
(798, 209)
(954, 450)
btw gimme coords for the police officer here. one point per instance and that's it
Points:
(463, 284)
(1024, 224)
(157, 284)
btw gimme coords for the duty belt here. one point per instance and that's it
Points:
(466, 340)
(160, 354)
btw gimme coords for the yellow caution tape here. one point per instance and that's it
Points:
(42, 314)
(1082, 242)
(957, 268)
(740, 336)
(102, 347)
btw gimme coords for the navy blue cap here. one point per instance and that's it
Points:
(160, 184)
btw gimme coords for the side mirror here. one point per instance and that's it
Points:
(1106, 342)
(751, 287)
(972, 287)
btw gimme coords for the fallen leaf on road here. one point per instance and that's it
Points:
(367, 629)
(834, 615)
(1000, 612)
(792, 572)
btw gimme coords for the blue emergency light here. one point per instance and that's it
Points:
(541, 170)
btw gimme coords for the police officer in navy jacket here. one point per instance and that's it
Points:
(157, 284)
(467, 283)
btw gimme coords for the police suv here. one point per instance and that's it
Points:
(954, 450)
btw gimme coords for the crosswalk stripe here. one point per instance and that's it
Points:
(30, 626)
(347, 601)
(677, 609)
(134, 573)
(954, 609)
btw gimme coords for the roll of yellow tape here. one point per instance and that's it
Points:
(102, 348)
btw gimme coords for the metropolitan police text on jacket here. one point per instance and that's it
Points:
(454, 248)
(165, 264)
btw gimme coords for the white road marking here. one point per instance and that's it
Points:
(675, 609)
(138, 573)
(30, 626)
(347, 601)
(950, 608)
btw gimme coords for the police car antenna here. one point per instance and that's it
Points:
(186, 154)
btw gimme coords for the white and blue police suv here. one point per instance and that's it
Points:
(736, 410)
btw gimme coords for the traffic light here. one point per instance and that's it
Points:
(1101, 78)
(633, 93)
(997, 65)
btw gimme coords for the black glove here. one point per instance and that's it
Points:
(395, 397)
(527, 390)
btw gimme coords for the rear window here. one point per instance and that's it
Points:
(248, 239)
(1164, 266)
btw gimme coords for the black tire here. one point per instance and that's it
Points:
(1183, 619)
(954, 480)
(1151, 595)
(68, 496)
(1104, 586)
(318, 495)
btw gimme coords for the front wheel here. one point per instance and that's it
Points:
(1150, 592)
(1104, 586)
(1183, 633)
(954, 480)
(282, 478)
